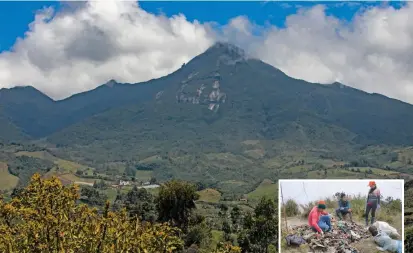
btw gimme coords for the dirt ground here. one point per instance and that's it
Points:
(363, 246)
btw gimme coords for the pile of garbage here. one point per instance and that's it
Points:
(337, 240)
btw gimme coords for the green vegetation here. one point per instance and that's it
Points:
(408, 215)
(7, 180)
(24, 167)
(291, 208)
(265, 189)
(408, 243)
(270, 126)
(390, 210)
(209, 195)
(283, 129)
(261, 228)
(44, 217)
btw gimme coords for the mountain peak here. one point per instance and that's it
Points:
(29, 92)
(221, 53)
(227, 49)
(110, 83)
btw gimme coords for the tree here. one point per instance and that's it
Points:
(140, 203)
(408, 244)
(260, 229)
(318, 166)
(200, 186)
(175, 202)
(236, 218)
(46, 218)
(16, 192)
(130, 171)
(199, 234)
(92, 196)
(223, 211)
(291, 208)
(100, 184)
(118, 203)
(226, 228)
(153, 180)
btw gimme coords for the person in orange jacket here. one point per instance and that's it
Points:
(318, 219)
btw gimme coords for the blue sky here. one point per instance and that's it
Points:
(15, 16)
(365, 45)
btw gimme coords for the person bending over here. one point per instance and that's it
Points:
(384, 241)
(318, 219)
(343, 207)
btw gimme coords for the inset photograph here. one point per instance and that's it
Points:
(342, 216)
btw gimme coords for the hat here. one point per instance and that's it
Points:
(321, 204)
(371, 183)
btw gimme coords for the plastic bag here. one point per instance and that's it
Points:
(294, 240)
(386, 243)
(386, 228)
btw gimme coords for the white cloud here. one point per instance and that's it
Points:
(78, 49)
(82, 47)
(372, 53)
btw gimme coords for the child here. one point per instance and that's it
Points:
(385, 242)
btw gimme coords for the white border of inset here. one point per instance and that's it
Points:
(401, 181)
(265, 1)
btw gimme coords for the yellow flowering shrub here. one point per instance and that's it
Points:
(227, 248)
(45, 217)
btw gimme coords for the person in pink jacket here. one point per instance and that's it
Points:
(318, 219)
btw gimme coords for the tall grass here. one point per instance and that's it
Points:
(390, 208)
(291, 208)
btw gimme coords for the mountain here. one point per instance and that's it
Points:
(9, 131)
(225, 94)
(38, 115)
(223, 103)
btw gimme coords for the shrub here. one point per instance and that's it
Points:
(291, 208)
(408, 242)
(44, 217)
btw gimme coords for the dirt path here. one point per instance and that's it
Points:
(83, 183)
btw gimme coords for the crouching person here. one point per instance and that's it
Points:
(318, 219)
(384, 241)
(343, 207)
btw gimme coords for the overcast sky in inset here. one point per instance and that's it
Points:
(304, 191)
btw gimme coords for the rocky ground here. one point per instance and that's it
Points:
(346, 237)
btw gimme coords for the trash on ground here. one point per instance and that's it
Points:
(338, 240)
(295, 240)
(385, 227)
